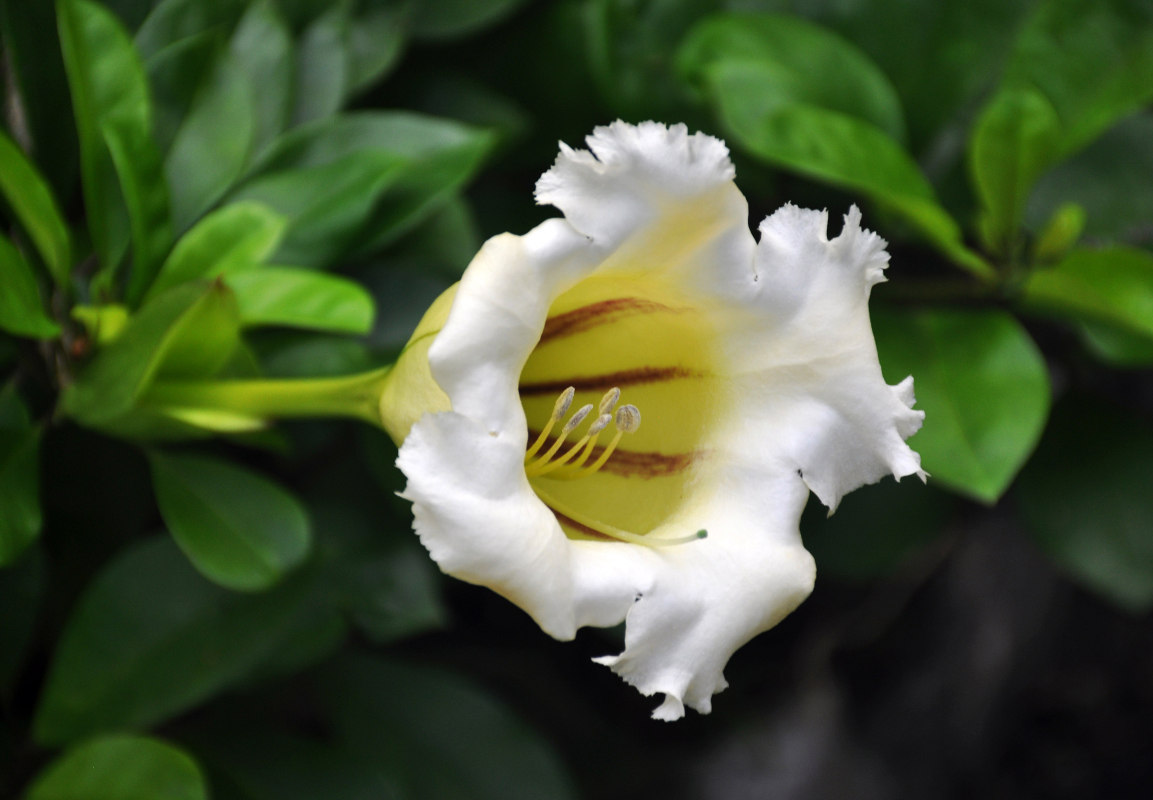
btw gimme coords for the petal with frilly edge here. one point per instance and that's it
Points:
(753, 367)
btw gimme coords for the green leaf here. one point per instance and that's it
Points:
(437, 735)
(151, 637)
(236, 237)
(326, 205)
(272, 764)
(300, 299)
(171, 21)
(1116, 346)
(450, 19)
(877, 529)
(358, 181)
(984, 389)
(631, 48)
(21, 309)
(34, 205)
(322, 67)
(110, 100)
(1086, 499)
(797, 63)
(836, 148)
(214, 144)
(238, 528)
(32, 51)
(385, 582)
(1014, 140)
(375, 42)
(1112, 286)
(121, 768)
(262, 49)
(188, 332)
(20, 516)
(145, 193)
(1092, 60)
(1109, 179)
(942, 56)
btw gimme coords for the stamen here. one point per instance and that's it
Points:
(576, 419)
(609, 401)
(559, 409)
(628, 419)
(588, 441)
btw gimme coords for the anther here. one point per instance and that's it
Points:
(575, 420)
(588, 442)
(559, 409)
(609, 401)
(628, 418)
(541, 464)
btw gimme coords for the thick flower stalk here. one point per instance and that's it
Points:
(633, 402)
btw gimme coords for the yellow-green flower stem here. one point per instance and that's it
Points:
(357, 396)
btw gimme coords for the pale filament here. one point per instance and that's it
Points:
(571, 464)
(627, 420)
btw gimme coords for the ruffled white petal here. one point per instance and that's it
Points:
(808, 408)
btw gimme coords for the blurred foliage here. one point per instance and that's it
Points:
(194, 604)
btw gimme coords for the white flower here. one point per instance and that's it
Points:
(750, 367)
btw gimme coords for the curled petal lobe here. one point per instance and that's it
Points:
(642, 396)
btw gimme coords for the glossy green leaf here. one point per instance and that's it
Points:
(145, 193)
(21, 308)
(301, 299)
(1015, 139)
(837, 148)
(121, 768)
(215, 142)
(450, 19)
(436, 735)
(236, 237)
(238, 528)
(170, 21)
(326, 205)
(1113, 286)
(358, 181)
(1086, 499)
(108, 85)
(942, 56)
(375, 42)
(187, 332)
(984, 389)
(31, 199)
(262, 49)
(796, 62)
(151, 637)
(1092, 60)
(323, 66)
(20, 515)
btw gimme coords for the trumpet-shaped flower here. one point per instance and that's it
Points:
(636, 400)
